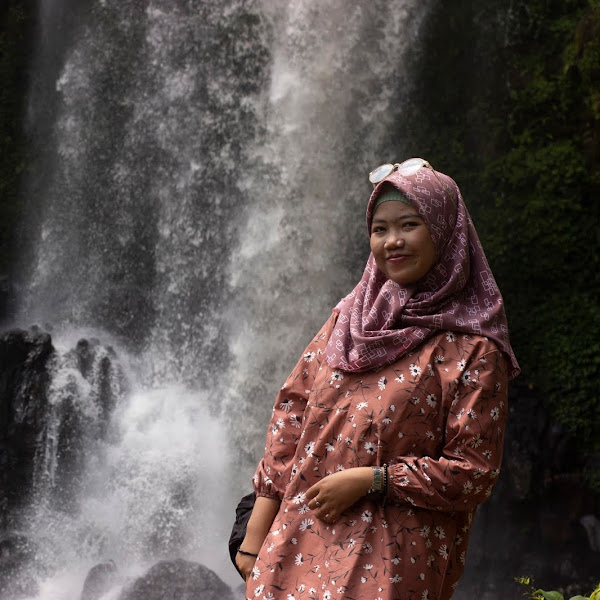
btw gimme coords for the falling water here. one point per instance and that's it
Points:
(196, 211)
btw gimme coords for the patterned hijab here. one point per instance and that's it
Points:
(381, 321)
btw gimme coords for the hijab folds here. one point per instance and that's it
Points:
(381, 321)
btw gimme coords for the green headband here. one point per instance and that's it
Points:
(390, 194)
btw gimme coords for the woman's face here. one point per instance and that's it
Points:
(400, 242)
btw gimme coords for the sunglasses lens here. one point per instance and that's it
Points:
(412, 165)
(380, 173)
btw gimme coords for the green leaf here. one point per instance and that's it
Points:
(550, 595)
(578, 598)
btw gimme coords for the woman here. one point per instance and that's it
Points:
(388, 433)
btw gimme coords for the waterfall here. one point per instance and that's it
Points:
(196, 210)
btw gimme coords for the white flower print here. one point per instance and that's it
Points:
(439, 359)
(425, 595)
(370, 448)
(329, 447)
(415, 370)
(280, 423)
(286, 405)
(476, 441)
(386, 421)
(309, 448)
(303, 509)
(487, 454)
(291, 597)
(466, 377)
(363, 580)
(396, 560)
(294, 541)
(326, 595)
(431, 400)
(367, 548)
(368, 567)
(351, 543)
(337, 375)
(255, 573)
(299, 560)
(495, 413)
(461, 364)
(425, 531)
(443, 551)
(400, 378)
(309, 356)
(395, 579)
(270, 547)
(299, 498)
(269, 596)
(306, 524)
(312, 591)
(381, 383)
(258, 591)
(471, 414)
(367, 516)
(295, 421)
(362, 405)
(467, 487)
(439, 532)
(430, 435)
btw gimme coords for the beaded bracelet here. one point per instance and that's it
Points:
(385, 484)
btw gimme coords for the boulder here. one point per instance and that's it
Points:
(99, 580)
(178, 580)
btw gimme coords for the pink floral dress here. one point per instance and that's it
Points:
(436, 417)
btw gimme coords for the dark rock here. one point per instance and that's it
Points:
(99, 580)
(23, 401)
(178, 580)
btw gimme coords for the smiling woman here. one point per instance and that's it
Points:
(389, 432)
(400, 240)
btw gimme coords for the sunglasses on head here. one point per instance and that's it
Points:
(408, 167)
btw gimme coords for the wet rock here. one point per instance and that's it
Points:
(99, 580)
(178, 580)
(24, 356)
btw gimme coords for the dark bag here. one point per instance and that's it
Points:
(238, 532)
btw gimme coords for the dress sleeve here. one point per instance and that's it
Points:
(476, 411)
(274, 470)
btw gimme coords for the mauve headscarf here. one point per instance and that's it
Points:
(380, 320)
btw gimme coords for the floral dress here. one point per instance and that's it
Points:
(436, 417)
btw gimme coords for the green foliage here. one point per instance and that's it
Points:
(537, 594)
(523, 143)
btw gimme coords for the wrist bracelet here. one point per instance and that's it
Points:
(240, 551)
(377, 481)
(385, 484)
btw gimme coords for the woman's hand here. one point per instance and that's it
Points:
(331, 496)
(245, 564)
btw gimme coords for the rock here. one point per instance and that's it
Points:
(23, 402)
(178, 580)
(592, 527)
(99, 580)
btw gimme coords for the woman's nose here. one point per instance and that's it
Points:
(394, 241)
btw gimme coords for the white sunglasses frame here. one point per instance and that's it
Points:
(407, 167)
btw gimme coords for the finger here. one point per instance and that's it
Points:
(312, 492)
(315, 503)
